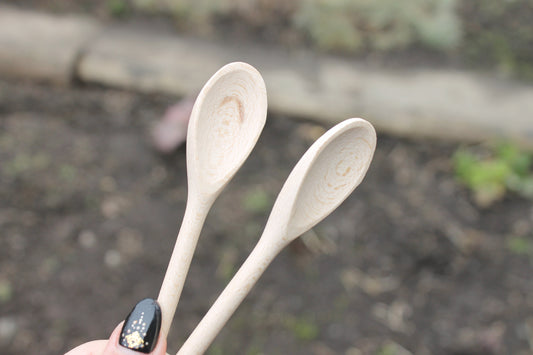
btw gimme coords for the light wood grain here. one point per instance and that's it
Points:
(226, 121)
(326, 174)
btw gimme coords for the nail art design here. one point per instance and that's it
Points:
(141, 327)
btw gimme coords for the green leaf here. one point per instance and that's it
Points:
(518, 161)
(520, 245)
(256, 201)
(302, 328)
(6, 291)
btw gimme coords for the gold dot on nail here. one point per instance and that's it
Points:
(134, 340)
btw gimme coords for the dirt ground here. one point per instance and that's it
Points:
(89, 213)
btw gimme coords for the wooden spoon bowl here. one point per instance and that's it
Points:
(234, 99)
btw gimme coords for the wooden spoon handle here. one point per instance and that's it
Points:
(180, 261)
(228, 301)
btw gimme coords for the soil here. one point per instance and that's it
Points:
(89, 212)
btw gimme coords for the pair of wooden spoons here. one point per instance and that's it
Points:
(225, 123)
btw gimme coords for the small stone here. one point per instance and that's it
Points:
(372, 285)
(350, 278)
(394, 316)
(377, 285)
(113, 206)
(112, 258)
(353, 351)
(87, 239)
(8, 328)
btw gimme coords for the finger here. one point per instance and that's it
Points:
(112, 346)
(139, 333)
(95, 347)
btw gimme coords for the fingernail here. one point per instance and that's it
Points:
(141, 327)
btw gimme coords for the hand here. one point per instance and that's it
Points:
(138, 334)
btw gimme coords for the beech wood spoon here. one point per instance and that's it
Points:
(324, 177)
(226, 121)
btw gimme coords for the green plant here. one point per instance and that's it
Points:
(303, 328)
(6, 291)
(387, 349)
(490, 176)
(197, 15)
(117, 8)
(341, 25)
(216, 349)
(328, 25)
(352, 25)
(520, 245)
(24, 164)
(67, 172)
(256, 201)
(254, 349)
(392, 348)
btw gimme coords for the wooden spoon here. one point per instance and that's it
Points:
(226, 121)
(326, 174)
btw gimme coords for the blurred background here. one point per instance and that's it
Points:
(432, 254)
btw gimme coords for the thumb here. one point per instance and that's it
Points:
(139, 333)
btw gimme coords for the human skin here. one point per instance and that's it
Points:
(112, 347)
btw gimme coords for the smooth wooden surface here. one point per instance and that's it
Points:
(226, 121)
(326, 174)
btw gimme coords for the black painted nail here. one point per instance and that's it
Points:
(141, 327)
